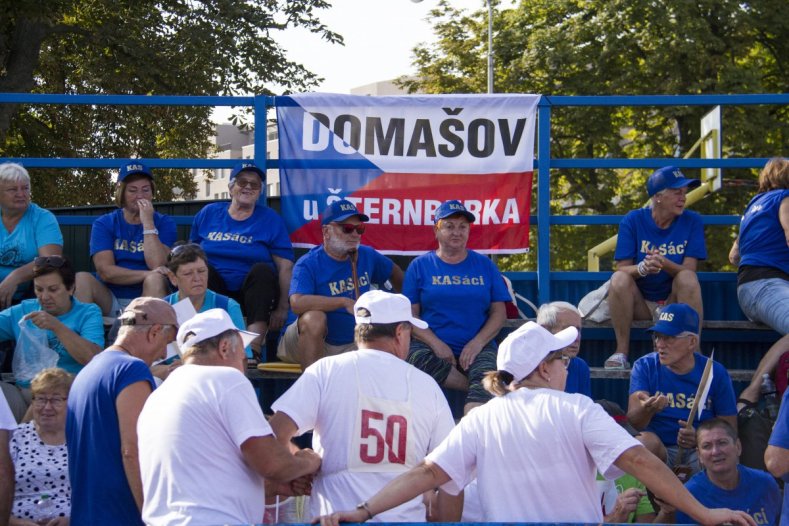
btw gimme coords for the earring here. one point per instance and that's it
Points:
(658, 200)
(549, 379)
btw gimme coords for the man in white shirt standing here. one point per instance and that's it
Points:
(7, 425)
(204, 443)
(373, 414)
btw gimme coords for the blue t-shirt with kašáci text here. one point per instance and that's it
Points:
(100, 491)
(112, 232)
(762, 239)
(757, 494)
(83, 318)
(233, 247)
(780, 438)
(680, 389)
(37, 228)
(638, 234)
(454, 298)
(316, 273)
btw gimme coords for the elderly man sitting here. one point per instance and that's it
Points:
(663, 385)
(725, 481)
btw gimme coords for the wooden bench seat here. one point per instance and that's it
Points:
(739, 325)
(737, 375)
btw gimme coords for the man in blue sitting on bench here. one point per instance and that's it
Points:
(664, 383)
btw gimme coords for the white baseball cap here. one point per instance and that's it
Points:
(385, 307)
(206, 325)
(523, 349)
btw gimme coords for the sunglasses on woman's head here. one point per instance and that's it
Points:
(180, 249)
(49, 261)
(347, 228)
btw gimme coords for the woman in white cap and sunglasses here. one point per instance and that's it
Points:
(533, 446)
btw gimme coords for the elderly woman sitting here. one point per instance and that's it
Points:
(189, 274)
(28, 231)
(38, 450)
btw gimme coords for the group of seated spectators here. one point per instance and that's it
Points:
(239, 260)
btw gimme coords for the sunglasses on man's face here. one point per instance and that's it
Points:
(49, 261)
(347, 228)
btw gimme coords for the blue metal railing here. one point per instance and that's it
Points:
(544, 163)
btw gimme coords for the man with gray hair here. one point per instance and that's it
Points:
(374, 415)
(103, 406)
(557, 316)
(205, 446)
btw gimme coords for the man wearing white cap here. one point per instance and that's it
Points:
(374, 415)
(535, 449)
(204, 443)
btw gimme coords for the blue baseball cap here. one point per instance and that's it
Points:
(340, 211)
(451, 208)
(668, 177)
(133, 167)
(676, 318)
(247, 167)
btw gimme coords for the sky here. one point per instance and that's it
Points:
(380, 36)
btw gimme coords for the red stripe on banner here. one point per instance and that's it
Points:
(401, 208)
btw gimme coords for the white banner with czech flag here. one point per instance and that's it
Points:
(398, 158)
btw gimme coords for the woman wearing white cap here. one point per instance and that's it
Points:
(533, 446)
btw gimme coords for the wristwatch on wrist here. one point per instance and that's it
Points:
(366, 507)
(151, 231)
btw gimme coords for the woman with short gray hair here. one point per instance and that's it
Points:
(28, 231)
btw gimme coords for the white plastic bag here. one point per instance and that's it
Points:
(32, 353)
(594, 306)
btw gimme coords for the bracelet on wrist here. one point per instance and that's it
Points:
(366, 507)
(642, 269)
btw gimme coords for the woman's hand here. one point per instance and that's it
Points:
(468, 354)
(7, 289)
(443, 351)
(43, 320)
(146, 213)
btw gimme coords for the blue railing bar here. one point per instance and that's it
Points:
(616, 219)
(89, 162)
(66, 162)
(583, 275)
(88, 220)
(544, 203)
(127, 100)
(744, 162)
(667, 100)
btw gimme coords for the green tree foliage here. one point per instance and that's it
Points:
(624, 47)
(165, 47)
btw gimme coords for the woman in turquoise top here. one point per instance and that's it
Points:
(74, 330)
(188, 271)
(28, 231)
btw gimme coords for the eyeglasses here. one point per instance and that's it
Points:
(565, 358)
(252, 185)
(54, 401)
(49, 261)
(180, 249)
(665, 338)
(347, 228)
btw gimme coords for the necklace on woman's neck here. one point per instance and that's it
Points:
(121, 348)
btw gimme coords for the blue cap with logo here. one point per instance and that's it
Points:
(133, 167)
(451, 208)
(340, 211)
(247, 167)
(668, 177)
(676, 318)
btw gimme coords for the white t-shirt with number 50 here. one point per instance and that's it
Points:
(374, 416)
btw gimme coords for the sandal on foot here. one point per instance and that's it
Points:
(617, 361)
